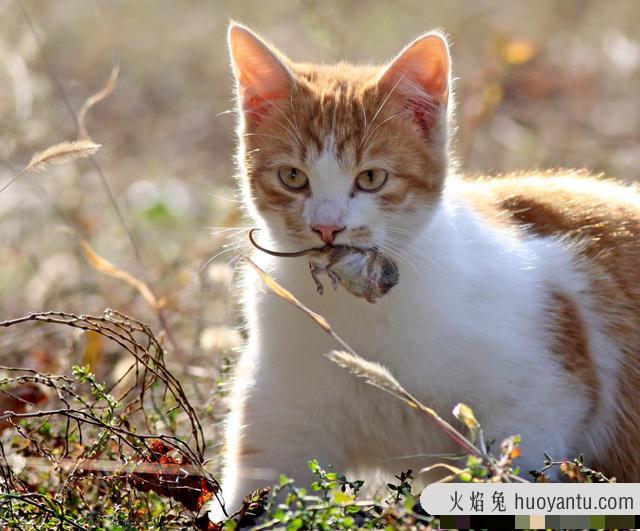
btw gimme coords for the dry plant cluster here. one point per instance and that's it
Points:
(140, 430)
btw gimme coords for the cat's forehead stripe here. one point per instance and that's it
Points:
(338, 118)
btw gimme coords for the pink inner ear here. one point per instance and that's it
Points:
(419, 78)
(425, 113)
(258, 105)
(262, 76)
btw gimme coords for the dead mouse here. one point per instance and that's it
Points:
(364, 273)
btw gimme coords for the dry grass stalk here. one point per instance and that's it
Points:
(108, 88)
(104, 266)
(56, 155)
(285, 294)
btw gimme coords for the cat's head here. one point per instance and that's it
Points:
(344, 154)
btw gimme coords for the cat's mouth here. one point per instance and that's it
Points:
(307, 250)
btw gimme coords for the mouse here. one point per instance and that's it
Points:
(363, 272)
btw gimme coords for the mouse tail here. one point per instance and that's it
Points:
(277, 253)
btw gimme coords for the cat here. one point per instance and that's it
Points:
(518, 295)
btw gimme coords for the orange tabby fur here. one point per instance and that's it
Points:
(603, 218)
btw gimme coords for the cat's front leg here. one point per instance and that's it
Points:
(265, 441)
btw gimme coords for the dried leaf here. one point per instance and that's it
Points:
(61, 153)
(168, 476)
(92, 350)
(106, 267)
(457, 471)
(458, 474)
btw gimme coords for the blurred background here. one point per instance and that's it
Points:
(539, 84)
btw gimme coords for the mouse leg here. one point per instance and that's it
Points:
(315, 271)
(335, 279)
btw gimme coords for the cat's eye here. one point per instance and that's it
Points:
(293, 178)
(371, 180)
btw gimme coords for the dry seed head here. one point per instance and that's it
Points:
(61, 153)
(373, 372)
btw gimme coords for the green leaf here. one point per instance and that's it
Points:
(348, 521)
(343, 497)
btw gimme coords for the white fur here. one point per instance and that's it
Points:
(468, 322)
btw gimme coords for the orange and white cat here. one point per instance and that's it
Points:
(518, 295)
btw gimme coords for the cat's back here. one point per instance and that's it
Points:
(598, 220)
(596, 217)
(603, 211)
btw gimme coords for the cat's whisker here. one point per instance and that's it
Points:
(234, 263)
(384, 102)
(295, 118)
(237, 243)
(398, 230)
(232, 246)
(402, 257)
(233, 236)
(217, 230)
(364, 114)
(407, 244)
(225, 198)
(378, 126)
(210, 260)
(228, 111)
(421, 254)
(267, 135)
(290, 136)
(236, 234)
(295, 129)
(229, 235)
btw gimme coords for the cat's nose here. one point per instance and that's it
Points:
(327, 232)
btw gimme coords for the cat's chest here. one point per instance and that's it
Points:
(403, 330)
(429, 330)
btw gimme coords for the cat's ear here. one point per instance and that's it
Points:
(419, 75)
(259, 69)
